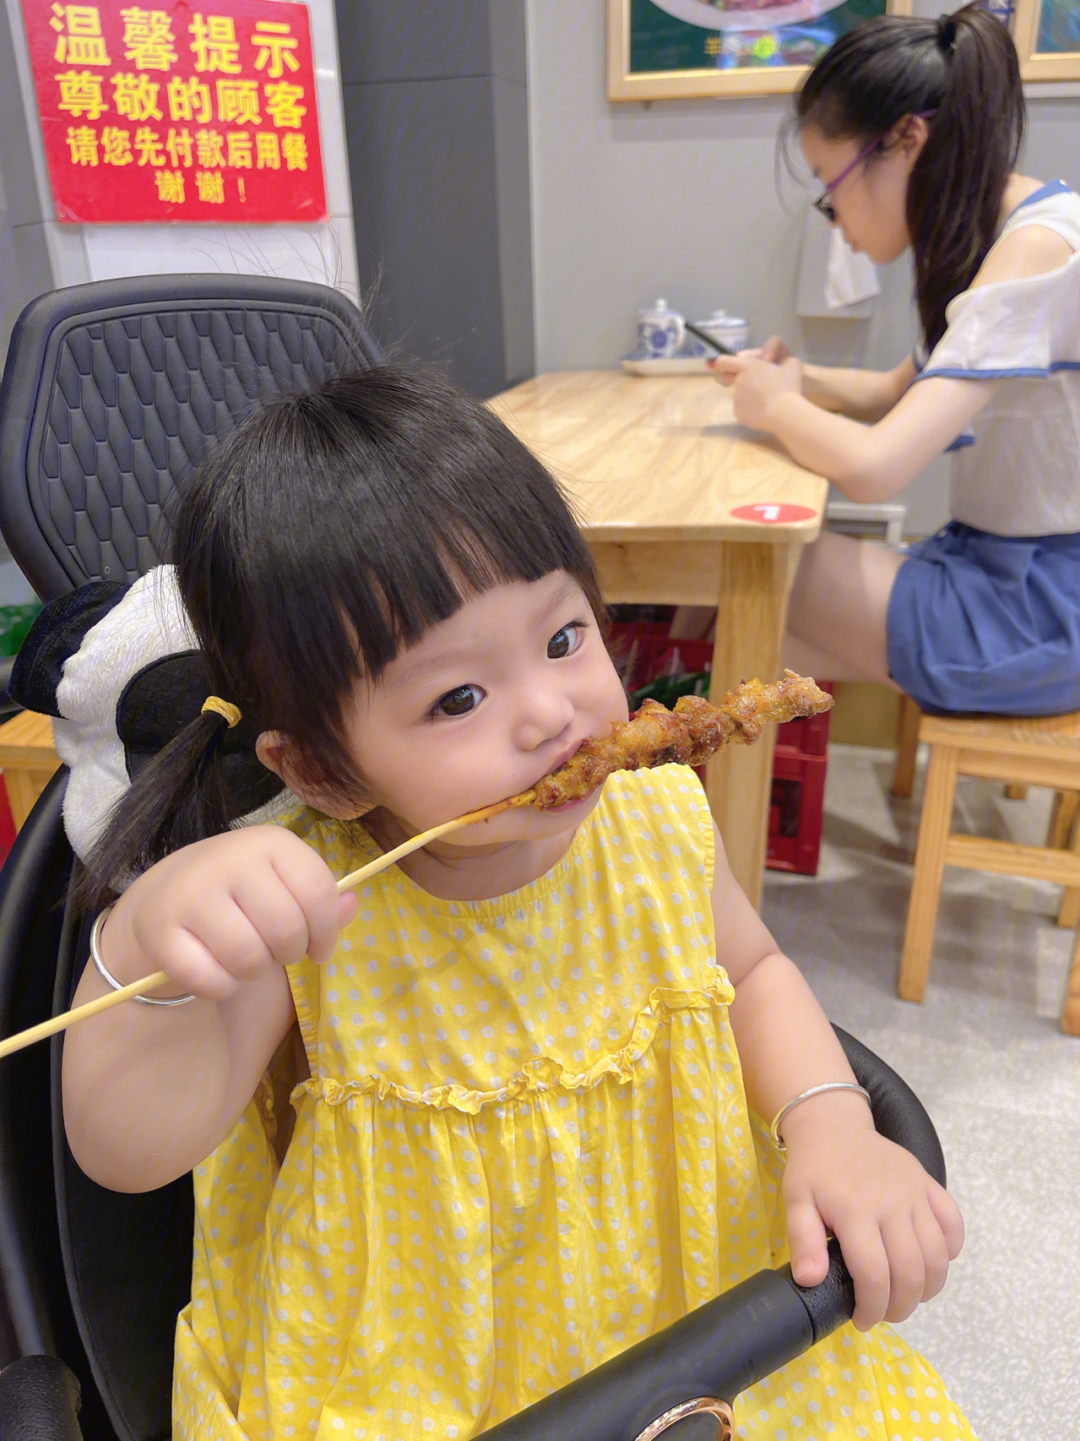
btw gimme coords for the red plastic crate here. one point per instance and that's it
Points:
(635, 647)
(796, 811)
(7, 824)
(684, 657)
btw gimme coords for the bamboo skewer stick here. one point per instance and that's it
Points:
(159, 978)
(753, 690)
(80, 1013)
(415, 843)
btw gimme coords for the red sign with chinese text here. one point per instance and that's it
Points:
(185, 113)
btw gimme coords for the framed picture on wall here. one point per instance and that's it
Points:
(678, 49)
(1047, 35)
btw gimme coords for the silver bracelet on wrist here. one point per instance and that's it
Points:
(110, 980)
(774, 1129)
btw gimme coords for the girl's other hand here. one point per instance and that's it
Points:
(226, 911)
(898, 1229)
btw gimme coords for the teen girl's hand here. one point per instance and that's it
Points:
(759, 385)
(774, 351)
(727, 367)
(226, 911)
(898, 1229)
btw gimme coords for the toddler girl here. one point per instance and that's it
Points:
(530, 1061)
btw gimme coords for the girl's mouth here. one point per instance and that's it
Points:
(568, 806)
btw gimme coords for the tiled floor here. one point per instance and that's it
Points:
(985, 1055)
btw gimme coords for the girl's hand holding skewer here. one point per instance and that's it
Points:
(223, 918)
(897, 1228)
(226, 911)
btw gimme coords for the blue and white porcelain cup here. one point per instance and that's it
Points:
(660, 331)
(730, 331)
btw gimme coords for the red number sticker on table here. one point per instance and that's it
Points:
(774, 513)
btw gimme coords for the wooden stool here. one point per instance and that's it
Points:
(1042, 752)
(28, 760)
(907, 746)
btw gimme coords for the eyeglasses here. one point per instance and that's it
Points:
(823, 204)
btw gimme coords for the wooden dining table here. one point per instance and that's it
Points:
(681, 505)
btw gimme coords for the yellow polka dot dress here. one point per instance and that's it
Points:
(525, 1145)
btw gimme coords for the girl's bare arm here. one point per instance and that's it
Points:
(150, 1091)
(868, 462)
(785, 1042)
(897, 1227)
(874, 462)
(863, 394)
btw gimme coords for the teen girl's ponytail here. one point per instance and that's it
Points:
(958, 182)
(964, 69)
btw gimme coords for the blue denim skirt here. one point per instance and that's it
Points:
(980, 622)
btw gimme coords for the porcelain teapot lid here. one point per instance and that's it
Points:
(659, 310)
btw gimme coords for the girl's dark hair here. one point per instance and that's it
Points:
(324, 536)
(964, 68)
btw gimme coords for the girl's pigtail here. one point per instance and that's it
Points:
(958, 183)
(177, 797)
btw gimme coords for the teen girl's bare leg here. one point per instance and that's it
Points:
(836, 617)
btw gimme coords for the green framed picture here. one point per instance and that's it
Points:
(676, 49)
(1047, 35)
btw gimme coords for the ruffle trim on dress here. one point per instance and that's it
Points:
(542, 1073)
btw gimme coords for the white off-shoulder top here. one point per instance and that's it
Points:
(1017, 470)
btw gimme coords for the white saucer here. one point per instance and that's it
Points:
(673, 365)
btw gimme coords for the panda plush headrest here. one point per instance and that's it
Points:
(118, 669)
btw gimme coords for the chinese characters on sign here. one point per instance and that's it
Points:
(188, 112)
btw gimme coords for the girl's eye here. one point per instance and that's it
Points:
(564, 642)
(459, 702)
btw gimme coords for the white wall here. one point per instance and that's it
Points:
(38, 254)
(325, 252)
(681, 200)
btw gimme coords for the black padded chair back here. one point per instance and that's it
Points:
(33, 887)
(127, 1264)
(113, 392)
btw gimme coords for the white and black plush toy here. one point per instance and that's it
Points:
(117, 667)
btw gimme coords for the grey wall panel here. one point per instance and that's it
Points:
(24, 258)
(436, 110)
(422, 161)
(22, 203)
(511, 104)
(414, 39)
(1052, 150)
(508, 26)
